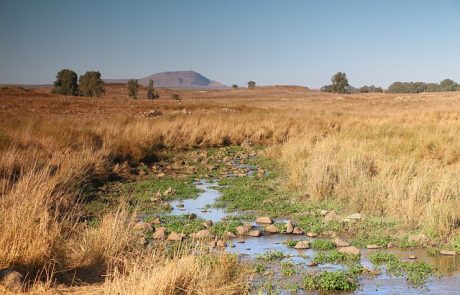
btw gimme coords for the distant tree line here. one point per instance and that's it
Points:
(370, 89)
(89, 84)
(417, 87)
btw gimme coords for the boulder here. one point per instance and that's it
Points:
(254, 233)
(312, 234)
(302, 245)
(156, 221)
(331, 215)
(11, 280)
(271, 229)
(241, 230)
(373, 247)
(324, 212)
(353, 217)
(159, 234)
(350, 250)
(289, 227)
(175, 237)
(447, 253)
(142, 226)
(340, 243)
(264, 220)
(142, 241)
(312, 264)
(412, 257)
(297, 231)
(230, 235)
(208, 223)
(391, 245)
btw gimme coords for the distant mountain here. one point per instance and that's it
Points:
(178, 79)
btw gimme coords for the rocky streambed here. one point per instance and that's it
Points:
(290, 259)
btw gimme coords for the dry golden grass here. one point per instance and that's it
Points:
(383, 154)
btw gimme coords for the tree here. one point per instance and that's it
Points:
(448, 85)
(66, 82)
(133, 88)
(91, 84)
(234, 86)
(251, 84)
(340, 82)
(151, 94)
(364, 89)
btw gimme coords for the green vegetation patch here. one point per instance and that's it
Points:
(271, 255)
(331, 281)
(416, 273)
(321, 244)
(170, 189)
(182, 224)
(335, 256)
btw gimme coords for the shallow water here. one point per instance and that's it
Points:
(249, 247)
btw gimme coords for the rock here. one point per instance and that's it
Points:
(221, 244)
(297, 231)
(324, 212)
(264, 220)
(340, 243)
(350, 250)
(156, 221)
(330, 233)
(312, 264)
(180, 206)
(254, 233)
(271, 229)
(208, 223)
(302, 245)
(159, 234)
(353, 217)
(331, 215)
(289, 227)
(11, 280)
(248, 226)
(142, 226)
(447, 253)
(391, 245)
(202, 234)
(241, 230)
(312, 234)
(373, 247)
(412, 257)
(230, 235)
(192, 216)
(175, 237)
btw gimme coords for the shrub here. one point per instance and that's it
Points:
(151, 94)
(66, 82)
(91, 84)
(251, 84)
(133, 88)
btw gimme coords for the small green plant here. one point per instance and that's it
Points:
(331, 281)
(133, 88)
(271, 255)
(320, 244)
(258, 268)
(335, 256)
(290, 243)
(288, 269)
(416, 273)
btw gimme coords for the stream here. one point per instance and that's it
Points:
(248, 248)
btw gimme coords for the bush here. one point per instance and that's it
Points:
(251, 84)
(133, 88)
(417, 87)
(66, 82)
(91, 84)
(339, 84)
(151, 94)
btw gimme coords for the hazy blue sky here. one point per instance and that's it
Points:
(270, 42)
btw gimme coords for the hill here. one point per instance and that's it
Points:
(178, 79)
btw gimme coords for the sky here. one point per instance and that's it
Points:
(297, 42)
